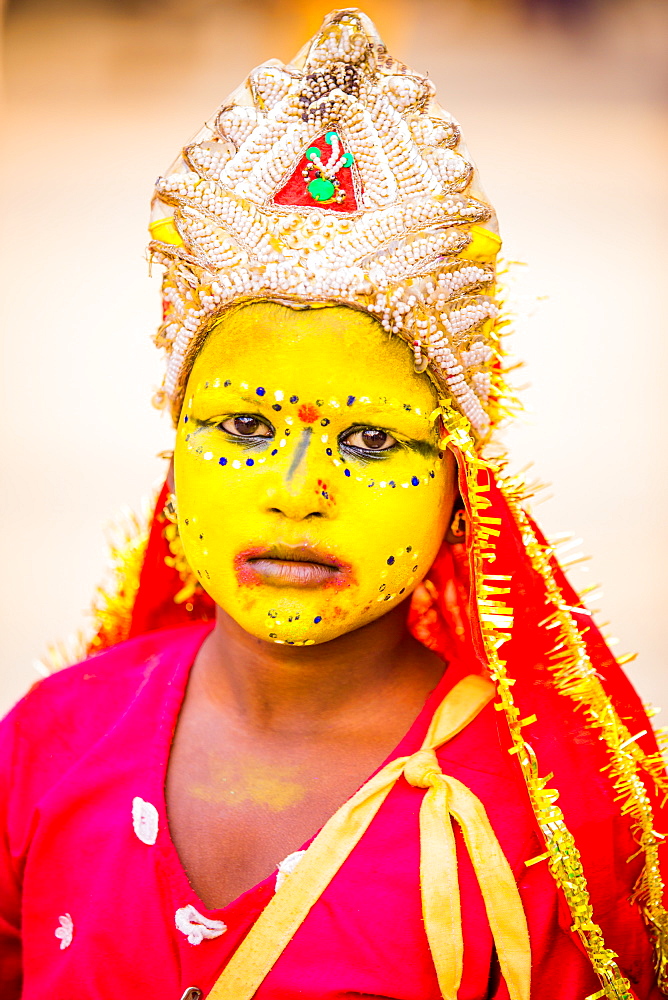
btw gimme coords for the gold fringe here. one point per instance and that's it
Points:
(111, 611)
(114, 601)
(504, 403)
(576, 678)
(496, 618)
(177, 559)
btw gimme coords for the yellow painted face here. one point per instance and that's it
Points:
(312, 496)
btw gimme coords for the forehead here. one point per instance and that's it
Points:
(314, 352)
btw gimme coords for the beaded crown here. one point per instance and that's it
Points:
(336, 178)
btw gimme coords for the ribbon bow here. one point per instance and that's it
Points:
(445, 799)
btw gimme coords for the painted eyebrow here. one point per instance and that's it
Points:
(386, 416)
(424, 448)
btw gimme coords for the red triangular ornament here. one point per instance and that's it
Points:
(323, 178)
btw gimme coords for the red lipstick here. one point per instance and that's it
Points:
(282, 565)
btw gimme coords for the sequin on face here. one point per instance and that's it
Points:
(306, 489)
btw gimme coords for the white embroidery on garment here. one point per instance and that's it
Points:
(195, 926)
(287, 866)
(66, 931)
(145, 821)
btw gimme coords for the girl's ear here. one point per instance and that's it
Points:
(456, 533)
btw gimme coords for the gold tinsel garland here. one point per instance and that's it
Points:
(577, 680)
(114, 600)
(111, 610)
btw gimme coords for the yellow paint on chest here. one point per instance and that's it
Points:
(240, 783)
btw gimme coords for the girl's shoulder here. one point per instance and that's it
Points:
(65, 714)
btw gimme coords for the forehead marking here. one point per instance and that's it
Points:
(307, 413)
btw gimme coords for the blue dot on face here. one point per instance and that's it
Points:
(392, 484)
(317, 620)
(432, 473)
(222, 461)
(294, 399)
(351, 400)
(275, 451)
(276, 406)
(390, 561)
(346, 472)
(259, 391)
(185, 419)
(250, 461)
(227, 383)
(415, 481)
(329, 451)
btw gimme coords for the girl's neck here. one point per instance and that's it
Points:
(271, 687)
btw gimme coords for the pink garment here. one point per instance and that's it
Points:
(86, 742)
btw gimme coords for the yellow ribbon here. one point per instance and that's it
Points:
(446, 798)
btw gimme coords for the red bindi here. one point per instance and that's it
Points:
(308, 413)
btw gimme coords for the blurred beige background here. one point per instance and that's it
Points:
(564, 108)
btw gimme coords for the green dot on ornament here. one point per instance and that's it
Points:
(330, 137)
(311, 152)
(321, 189)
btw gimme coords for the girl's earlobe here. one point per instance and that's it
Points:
(456, 533)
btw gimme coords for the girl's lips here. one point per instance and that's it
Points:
(285, 573)
(290, 566)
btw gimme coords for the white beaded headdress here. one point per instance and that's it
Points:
(336, 178)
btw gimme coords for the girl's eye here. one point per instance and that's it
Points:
(246, 426)
(369, 439)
